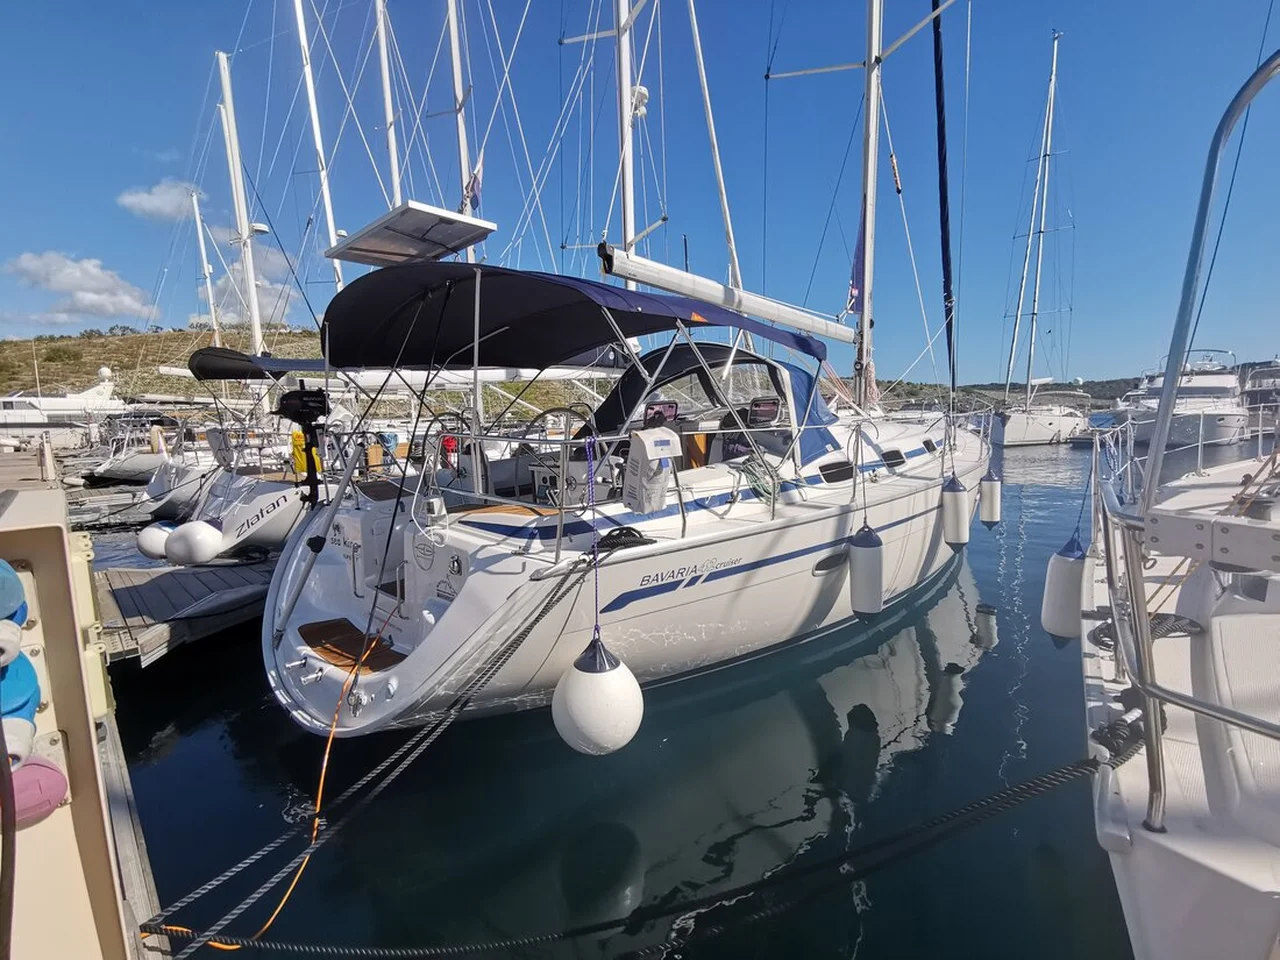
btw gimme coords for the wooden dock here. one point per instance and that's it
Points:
(146, 612)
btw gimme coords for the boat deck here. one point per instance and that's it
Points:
(1219, 852)
(146, 612)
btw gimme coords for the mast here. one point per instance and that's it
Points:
(388, 109)
(735, 274)
(460, 116)
(870, 162)
(625, 118)
(206, 271)
(244, 230)
(317, 140)
(1044, 206)
(1031, 234)
(944, 201)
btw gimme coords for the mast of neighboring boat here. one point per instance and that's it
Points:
(322, 168)
(1031, 235)
(460, 116)
(625, 120)
(206, 270)
(735, 273)
(870, 165)
(244, 229)
(388, 108)
(1044, 207)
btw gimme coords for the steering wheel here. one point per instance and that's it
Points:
(568, 413)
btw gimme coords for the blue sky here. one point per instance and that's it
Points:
(102, 138)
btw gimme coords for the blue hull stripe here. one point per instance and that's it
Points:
(628, 597)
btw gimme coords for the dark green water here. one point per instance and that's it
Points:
(500, 830)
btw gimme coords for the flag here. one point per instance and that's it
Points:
(859, 265)
(873, 389)
(471, 202)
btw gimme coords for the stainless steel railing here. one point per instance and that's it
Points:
(1118, 530)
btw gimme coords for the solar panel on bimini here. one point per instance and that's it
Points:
(411, 233)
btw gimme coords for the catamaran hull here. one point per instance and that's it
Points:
(669, 609)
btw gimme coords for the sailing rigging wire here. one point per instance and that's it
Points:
(348, 93)
(1231, 186)
(771, 46)
(906, 227)
(835, 193)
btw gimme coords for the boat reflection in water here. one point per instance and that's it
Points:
(731, 778)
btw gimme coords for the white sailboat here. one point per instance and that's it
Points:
(1041, 417)
(709, 509)
(1180, 608)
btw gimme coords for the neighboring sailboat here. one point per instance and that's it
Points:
(1041, 417)
(719, 505)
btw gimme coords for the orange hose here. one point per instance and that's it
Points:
(369, 647)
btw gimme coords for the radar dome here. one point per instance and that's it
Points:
(104, 373)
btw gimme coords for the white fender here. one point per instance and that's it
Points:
(955, 513)
(989, 499)
(1060, 605)
(19, 735)
(153, 537)
(196, 541)
(866, 572)
(10, 642)
(597, 706)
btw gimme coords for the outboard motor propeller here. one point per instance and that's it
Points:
(306, 408)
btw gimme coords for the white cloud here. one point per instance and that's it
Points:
(86, 285)
(221, 235)
(167, 200)
(40, 319)
(268, 261)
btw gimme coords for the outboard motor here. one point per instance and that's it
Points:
(306, 408)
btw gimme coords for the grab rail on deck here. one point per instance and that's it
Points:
(1134, 641)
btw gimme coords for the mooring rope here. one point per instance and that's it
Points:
(844, 867)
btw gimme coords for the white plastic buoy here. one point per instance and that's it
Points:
(10, 642)
(19, 735)
(985, 626)
(866, 571)
(597, 706)
(944, 708)
(1060, 606)
(153, 537)
(955, 513)
(989, 499)
(196, 541)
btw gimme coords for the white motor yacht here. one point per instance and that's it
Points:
(713, 528)
(1208, 406)
(70, 419)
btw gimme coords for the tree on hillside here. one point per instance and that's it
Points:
(120, 330)
(92, 333)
